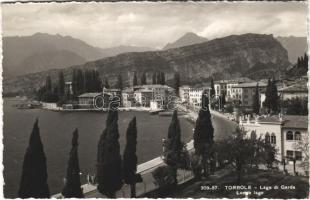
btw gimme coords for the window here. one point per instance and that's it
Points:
(267, 138)
(273, 138)
(289, 154)
(298, 155)
(297, 135)
(289, 135)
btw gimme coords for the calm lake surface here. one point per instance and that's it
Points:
(56, 131)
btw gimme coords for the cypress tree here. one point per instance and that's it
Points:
(135, 80)
(177, 83)
(72, 188)
(274, 98)
(154, 78)
(212, 92)
(162, 78)
(130, 159)
(109, 169)
(143, 79)
(268, 95)
(204, 134)
(74, 83)
(174, 146)
(119, 82)
(61, 84)
(34, 175)
(256, 105)
(48, 84)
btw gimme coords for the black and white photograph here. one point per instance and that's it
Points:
(155, 100)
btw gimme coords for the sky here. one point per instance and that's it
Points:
(153, 24)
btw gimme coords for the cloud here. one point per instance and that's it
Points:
(153, 24)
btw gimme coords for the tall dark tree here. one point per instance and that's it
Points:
(267, 102)
(34, 175)
(162, 78)
(177, 83)
(134, 79)
(174, 146)
(109, 169)
(143, 79)
(212, 92)
(204, 134)
(61, 84)
(130, 159)
(72, 188)
(274, 97)
(154, 78)
(256, 105)
(119, 82)
(48, 84)
(74, 83)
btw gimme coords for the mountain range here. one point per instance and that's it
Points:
(251, 55)
(295, 46)
(42, 51)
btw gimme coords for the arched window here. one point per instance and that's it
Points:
(273, 138)
(297, 135)
(267, 138)
(289, 135)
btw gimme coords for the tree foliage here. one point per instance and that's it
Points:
(296, 106)
(34, 175)
(130, 159)
(72, 188)
(204, 134)
(256, 104)
(272, 98)
(109, 169)
(143, 78)
(176, 155)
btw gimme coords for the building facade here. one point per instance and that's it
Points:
(285, 133)
(245, 92)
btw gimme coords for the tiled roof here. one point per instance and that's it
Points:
(296, 121)
(93, 94)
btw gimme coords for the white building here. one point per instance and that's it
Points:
(184, 93)
(226, 86)
(284, 132)
(128, 98)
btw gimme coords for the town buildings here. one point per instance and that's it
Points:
(245, 92)
(286, 133)
(226, 87)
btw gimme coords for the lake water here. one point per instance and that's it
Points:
(56, 131)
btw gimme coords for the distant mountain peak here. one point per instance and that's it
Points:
(188, 38)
